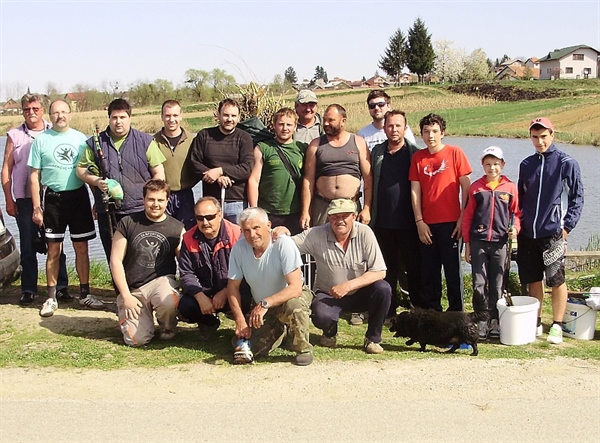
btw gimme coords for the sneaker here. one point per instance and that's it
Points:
(91, 302)
(26, 298)
(555, 335)
(303, 359)
(371, 347)
(48, 308)
(357, 318)
(167, 334)
(539, 331)
(208, 331)
(494, 328)
(242, 354)
(328, 342)
(63, 295)
(484, 329)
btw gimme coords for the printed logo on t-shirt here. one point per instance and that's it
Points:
(442, 168)
(152, 248)
(66, 155)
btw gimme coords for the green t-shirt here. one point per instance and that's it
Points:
(278, 194)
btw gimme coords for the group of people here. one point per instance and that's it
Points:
(379, 216)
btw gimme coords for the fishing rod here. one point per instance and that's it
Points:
(108, 205)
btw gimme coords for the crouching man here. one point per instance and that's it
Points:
(203, 266)
(143, 267)
(272, 270)
(350, 273)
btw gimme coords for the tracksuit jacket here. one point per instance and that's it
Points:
(489, 212)
(201, 271)
(550, 193)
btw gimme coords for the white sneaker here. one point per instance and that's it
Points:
(91, 302)
(48, 308)
(494, 328)
(357, 318)
(555, 335)
(483, 329)
(539, 331)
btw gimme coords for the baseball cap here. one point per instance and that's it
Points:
(492, 150)
(340, 205)
(542, 121)
(306, 96)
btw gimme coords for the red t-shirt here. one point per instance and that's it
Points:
(439, 175)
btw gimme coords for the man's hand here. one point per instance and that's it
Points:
(212, 175)
(341, 290)
(424, 233)
(219, 299)
(364, 216)
(132, 307)
(225, 182)
(457, 232)
(38, 216)
(256, 316)
(467, 252)
(242, 330)
(102, 185)
(512, 233)
(278, 231)
(205, 303)
(304, 221)
(11, 207)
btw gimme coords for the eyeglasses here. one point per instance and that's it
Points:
(209, 217)
(374, 105)
(35, 110)
(59, 113)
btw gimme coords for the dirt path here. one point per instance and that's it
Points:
(414, 400)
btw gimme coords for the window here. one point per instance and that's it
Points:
(587, 71)
(577, 56)
(568, 70)
(548, 71)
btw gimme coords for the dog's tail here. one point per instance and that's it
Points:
(479, 316)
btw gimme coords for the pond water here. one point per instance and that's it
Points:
(514, 151)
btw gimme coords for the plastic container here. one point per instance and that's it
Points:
(579, 321)
(518, 323)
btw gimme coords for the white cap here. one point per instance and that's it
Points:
(492, 150)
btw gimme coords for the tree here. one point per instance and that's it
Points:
(52, 91)
(320, 73)
(420, 51)
(290, 76)
(278, 85)
(527, 73)
(448, 62)
(221, 82)
(395, 56)
(197, 79)
(476, 68)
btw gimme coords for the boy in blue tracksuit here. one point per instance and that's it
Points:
(551, 200)
(491, 216)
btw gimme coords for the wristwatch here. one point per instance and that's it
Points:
(264, 304)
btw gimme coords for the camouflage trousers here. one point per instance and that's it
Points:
(289, 322)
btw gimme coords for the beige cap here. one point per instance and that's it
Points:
(340, 205)
(306, 96)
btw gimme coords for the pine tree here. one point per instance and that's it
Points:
(420, 50)
(394, 59)
(290, 75)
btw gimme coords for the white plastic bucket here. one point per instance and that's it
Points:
(518, 322)
(579, 321)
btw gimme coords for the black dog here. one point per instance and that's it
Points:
(429, 327)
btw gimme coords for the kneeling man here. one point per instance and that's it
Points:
(350, 273)
(272, 270)
(143, 267)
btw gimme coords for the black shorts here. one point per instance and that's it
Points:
(539, 256)
(68, 208)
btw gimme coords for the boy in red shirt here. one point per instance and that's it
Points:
(491, 217)
(439, 178)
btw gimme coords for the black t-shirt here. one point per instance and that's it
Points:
(151, 247)
(394, 210)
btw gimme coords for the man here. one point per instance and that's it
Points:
(174, 143)
(551, 201)
(203, 267)
(392, 218)
(17, 192)
(350, 273)
(222, 158)
(123, 154)
(143, 268)
(333, 167)
(275, 181)
(439, 180)
(310, 124)
(378, 102)
(66, 202)
(272, 270)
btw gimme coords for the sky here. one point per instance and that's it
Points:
(99, 43)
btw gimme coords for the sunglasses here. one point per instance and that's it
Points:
(374, 105)
(209, 217)
(36, 110)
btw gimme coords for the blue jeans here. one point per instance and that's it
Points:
(27, 231)
(232, 210)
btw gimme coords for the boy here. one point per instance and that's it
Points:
(439, 181)
(491, 217)
(551, 200)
